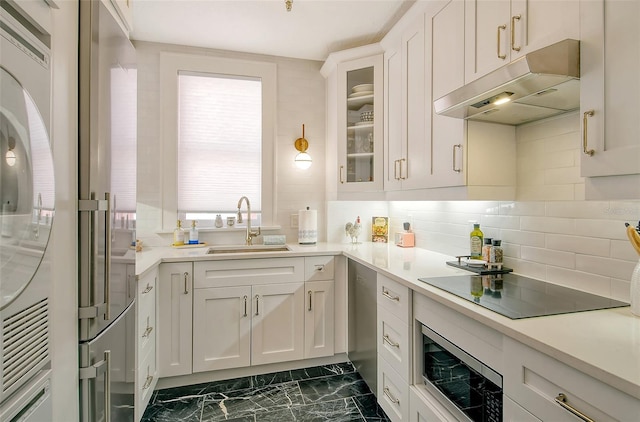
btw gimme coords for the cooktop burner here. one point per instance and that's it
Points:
(519, 297)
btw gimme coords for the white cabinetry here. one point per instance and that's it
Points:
(146, 350)
(393, 347)
(123, 11)
(610, 98)
(537, 382)
(262, 311)
(175, 318)
(319, 321)
(499, 31)
(423, 408)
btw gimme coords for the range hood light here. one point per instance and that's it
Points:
(502, 98)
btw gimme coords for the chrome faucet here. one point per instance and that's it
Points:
(250, 234)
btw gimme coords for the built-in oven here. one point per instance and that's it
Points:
(469, 389)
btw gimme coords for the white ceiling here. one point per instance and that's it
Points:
(311, 30)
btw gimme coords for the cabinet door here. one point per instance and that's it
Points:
(222, 328)
(393, 119)
(277, 323)
(487, 24)
(415, 165)
(318, 319)
(175, 315)
(360, 144)
(421, 409)
(610, 87)
(448, 134)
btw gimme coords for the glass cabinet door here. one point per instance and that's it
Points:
(360, 125)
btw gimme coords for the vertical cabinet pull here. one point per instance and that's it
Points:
(501, 28)
(107, 258)
(390, 396)
(340, 175)
(257, 303)
(561, 399)
(585, 118)
(186, 283)
(310, 296)
(390, 342)
(245, 306)
(459, 169)
(513, 32)
(402, 160)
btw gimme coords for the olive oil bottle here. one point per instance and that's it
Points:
(476, 238)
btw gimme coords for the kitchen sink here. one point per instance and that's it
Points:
(248, 249)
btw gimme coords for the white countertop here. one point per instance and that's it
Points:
(604, 344)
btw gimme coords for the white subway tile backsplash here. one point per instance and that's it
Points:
(608, 229)
(523, 238)
(577, 244)
(547, 224)
(548, 257)
(608, 267)
(580, 280)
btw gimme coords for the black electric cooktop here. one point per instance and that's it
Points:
(517, 297)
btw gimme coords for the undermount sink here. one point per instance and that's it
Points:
(248, 249)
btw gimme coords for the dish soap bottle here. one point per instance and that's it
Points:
(178, 235)
(476, 242)
(193, 234)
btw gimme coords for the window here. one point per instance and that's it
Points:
(218, 120)
(219, 145)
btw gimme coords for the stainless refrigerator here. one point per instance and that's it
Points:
(107, 130)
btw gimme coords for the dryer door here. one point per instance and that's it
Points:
(27, 189)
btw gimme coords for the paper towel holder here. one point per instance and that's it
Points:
(303, 159)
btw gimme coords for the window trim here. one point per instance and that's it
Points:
(170, 65)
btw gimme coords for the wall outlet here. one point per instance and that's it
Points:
(294, 221)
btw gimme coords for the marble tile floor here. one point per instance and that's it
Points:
(335, 393)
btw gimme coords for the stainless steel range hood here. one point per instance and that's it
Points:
(541, 84)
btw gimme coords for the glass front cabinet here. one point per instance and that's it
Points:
(359, 124)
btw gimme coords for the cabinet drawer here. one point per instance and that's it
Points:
(146, 334)
(318, 268)
(424, 408)
(393, 392)
(534, 381)
(394, 297)
(147, 379)
(247, 271)
(394, 342)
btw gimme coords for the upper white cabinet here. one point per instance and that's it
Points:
(123, 10)
(359, 108)
(610, 97)
(498, 31)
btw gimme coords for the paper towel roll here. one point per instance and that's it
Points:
(307, 227)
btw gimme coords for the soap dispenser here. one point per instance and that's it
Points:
(178, 234)
(219, 222)
(193, 234)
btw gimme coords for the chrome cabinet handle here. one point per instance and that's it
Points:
(386, 294)
(501, 28)
(148, 382)
(310, 296)
(245, 305)
(320, 268)
(257, 303)
(390, 342)
(107, 258)
(402, 160)
(147, 289)
(390, 396)
(585, 117)
(186, 283)
(107, 386)
(341, 171)
(561, 399)
(459, 146)
(513, 32)
(147, 332)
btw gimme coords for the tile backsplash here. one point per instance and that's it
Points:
(580, 244)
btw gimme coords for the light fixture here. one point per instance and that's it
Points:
(10, 156)
(302, 160)
(502, 98)
(288, 4)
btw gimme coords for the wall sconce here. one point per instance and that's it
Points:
(302, 160)
(10, 156)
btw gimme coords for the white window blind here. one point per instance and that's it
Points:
(219, 142)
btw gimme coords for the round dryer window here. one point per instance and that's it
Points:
(27, 189)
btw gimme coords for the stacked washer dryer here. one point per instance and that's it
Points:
(27, 195)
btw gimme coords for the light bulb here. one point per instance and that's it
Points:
(303, 161)
(11, 158)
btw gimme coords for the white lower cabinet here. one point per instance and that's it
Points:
(512, 411)
(423, 408)
(175, 318)
(538, 382)
(146, 350)
(262, 311)
(393, 392)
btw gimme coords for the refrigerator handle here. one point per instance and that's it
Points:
(107, 387)
(107, 259)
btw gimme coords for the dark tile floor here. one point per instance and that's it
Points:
(333, 393)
